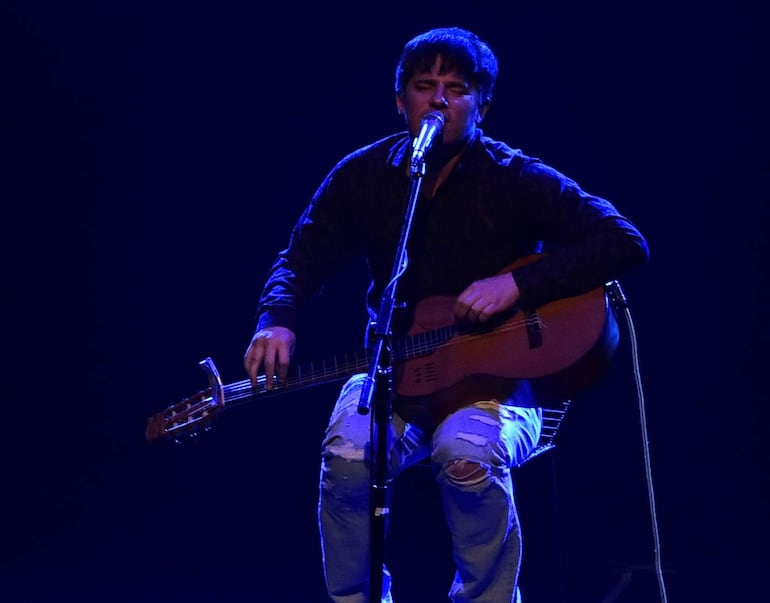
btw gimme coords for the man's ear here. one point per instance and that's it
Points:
(400, 106)
(481, 113)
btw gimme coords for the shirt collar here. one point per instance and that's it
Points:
(400, 151)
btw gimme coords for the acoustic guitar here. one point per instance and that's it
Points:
(561, 348)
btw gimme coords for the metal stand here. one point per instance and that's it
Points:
(377, 392)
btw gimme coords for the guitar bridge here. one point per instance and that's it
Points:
(534, 329)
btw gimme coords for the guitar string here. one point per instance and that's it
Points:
(417, 344)
(310, 373)
(243, 389)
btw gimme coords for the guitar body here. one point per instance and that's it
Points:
(561, 348)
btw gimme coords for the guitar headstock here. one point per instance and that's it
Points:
(192, 415)
(189, 417)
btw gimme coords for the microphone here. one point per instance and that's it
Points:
(431, 127)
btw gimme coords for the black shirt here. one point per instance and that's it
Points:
(496, 206)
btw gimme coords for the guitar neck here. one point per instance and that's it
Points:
(336, 368)
(301, 377)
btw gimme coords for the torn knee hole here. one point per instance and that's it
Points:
(464, 471)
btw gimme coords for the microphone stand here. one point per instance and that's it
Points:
(377, 394)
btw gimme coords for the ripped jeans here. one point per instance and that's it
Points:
(472, 452)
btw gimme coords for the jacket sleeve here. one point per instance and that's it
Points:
(586, 241)
(322, 241)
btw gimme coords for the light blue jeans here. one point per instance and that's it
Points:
(472, 452)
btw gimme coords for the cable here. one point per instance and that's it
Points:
(619, 301)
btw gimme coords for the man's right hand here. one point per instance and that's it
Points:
(271, 349)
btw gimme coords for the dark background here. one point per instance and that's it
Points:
(156, 155)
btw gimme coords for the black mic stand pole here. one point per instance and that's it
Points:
(377, 394)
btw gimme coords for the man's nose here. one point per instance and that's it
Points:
(439, 97)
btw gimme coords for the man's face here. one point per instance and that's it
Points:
(451, 93)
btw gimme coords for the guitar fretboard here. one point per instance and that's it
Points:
(338, 367)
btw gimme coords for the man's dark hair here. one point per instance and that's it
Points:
(461, 50)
